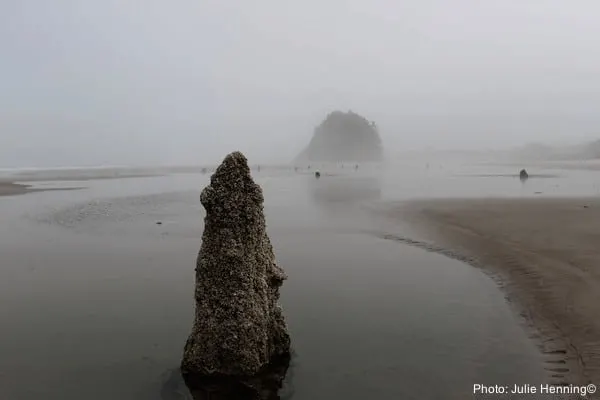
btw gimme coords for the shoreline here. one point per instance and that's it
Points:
(581, 165)
(18, 184)
(8, 188)
(69, 178)
(542, 253)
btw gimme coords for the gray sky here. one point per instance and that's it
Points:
(149, 81)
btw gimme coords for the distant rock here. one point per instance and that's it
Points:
(523, 174)
(536, 151)
(344, 137)
(239, 338)
(592, 150)
(540, 152)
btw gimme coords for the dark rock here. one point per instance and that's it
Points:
(158, 223)
(344, 137)
(317, 174)
(523, 174)
(239, 330)
(265, 385)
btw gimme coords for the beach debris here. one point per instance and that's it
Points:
(317, 174)
(523, 175)
(239, 340)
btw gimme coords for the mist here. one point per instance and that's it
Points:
(154, 82)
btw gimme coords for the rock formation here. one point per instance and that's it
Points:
(344, 137)
(239, 337)
(523, 175)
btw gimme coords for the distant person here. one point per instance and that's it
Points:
(317, 174)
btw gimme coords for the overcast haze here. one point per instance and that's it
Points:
(186, 81)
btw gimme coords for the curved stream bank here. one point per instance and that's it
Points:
(96, 298)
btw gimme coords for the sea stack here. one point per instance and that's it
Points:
(239, 336)
(344, 137)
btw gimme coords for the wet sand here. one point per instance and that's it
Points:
(68, 176)
(17, 182)
(13, 189)
(96, 299)
(544, 252)
(10, 189)
(591, 165)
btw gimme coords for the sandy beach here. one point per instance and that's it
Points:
(95, 294)
(14, 189)
(545, 254)
(22, 182)
(590, 165)
(11, 189)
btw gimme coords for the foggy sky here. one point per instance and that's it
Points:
(186, 81)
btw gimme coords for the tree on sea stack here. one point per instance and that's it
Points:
(239, 336)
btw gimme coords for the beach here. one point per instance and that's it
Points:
(11, 189)
(23, 181)
(14, 189)
(544, 253)
(95, 293)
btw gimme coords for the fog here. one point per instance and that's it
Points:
(174, 82)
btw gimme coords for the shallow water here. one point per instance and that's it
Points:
(96, 299)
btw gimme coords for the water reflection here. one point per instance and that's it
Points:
(266, 385)
(343, 288)
(348, 189)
